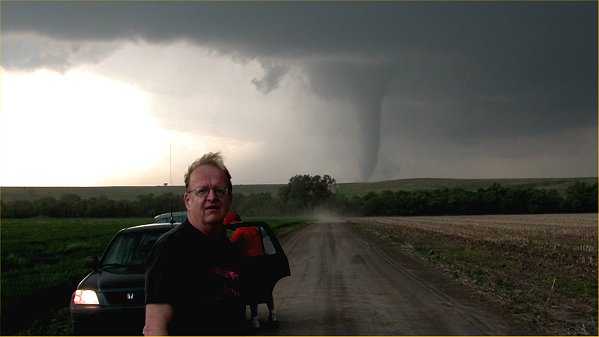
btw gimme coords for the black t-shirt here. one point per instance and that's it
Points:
(198, 276)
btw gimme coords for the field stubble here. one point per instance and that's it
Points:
(541, 268)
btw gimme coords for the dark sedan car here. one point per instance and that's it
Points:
(110, 299)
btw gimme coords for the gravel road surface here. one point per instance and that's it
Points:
(342, 284)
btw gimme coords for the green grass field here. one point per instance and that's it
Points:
(42, 262)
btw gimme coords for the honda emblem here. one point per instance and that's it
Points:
(130, 296)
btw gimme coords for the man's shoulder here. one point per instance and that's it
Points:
(174, 242)
(179, 232)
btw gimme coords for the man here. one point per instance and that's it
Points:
(192, 283)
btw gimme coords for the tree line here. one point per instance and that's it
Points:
(305, 194)
(496, 199)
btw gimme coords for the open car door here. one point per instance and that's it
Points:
(263, 261)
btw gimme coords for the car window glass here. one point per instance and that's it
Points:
(166, 217)
(269, 248)
(130, 249)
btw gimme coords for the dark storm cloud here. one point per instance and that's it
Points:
(482, 69)
(273, 73)
(296, 28)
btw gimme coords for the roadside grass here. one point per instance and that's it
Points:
(572, 286)
(43, 260)
(469, 262)
(52, 323)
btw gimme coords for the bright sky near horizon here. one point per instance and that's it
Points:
(130, 93)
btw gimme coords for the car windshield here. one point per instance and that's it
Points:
(130, 249)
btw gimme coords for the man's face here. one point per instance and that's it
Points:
(207, 212)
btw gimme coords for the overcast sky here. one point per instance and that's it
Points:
(130, 93)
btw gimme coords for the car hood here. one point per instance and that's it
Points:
(113, 280)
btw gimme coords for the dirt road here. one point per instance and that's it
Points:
(342, 284)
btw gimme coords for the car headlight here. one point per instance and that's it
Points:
(85, 297)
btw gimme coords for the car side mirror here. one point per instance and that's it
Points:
(91, 262)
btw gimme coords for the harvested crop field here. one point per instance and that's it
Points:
(542, 269)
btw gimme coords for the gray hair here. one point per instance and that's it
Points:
(213, 159)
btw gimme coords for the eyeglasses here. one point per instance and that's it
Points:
(203, 191)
